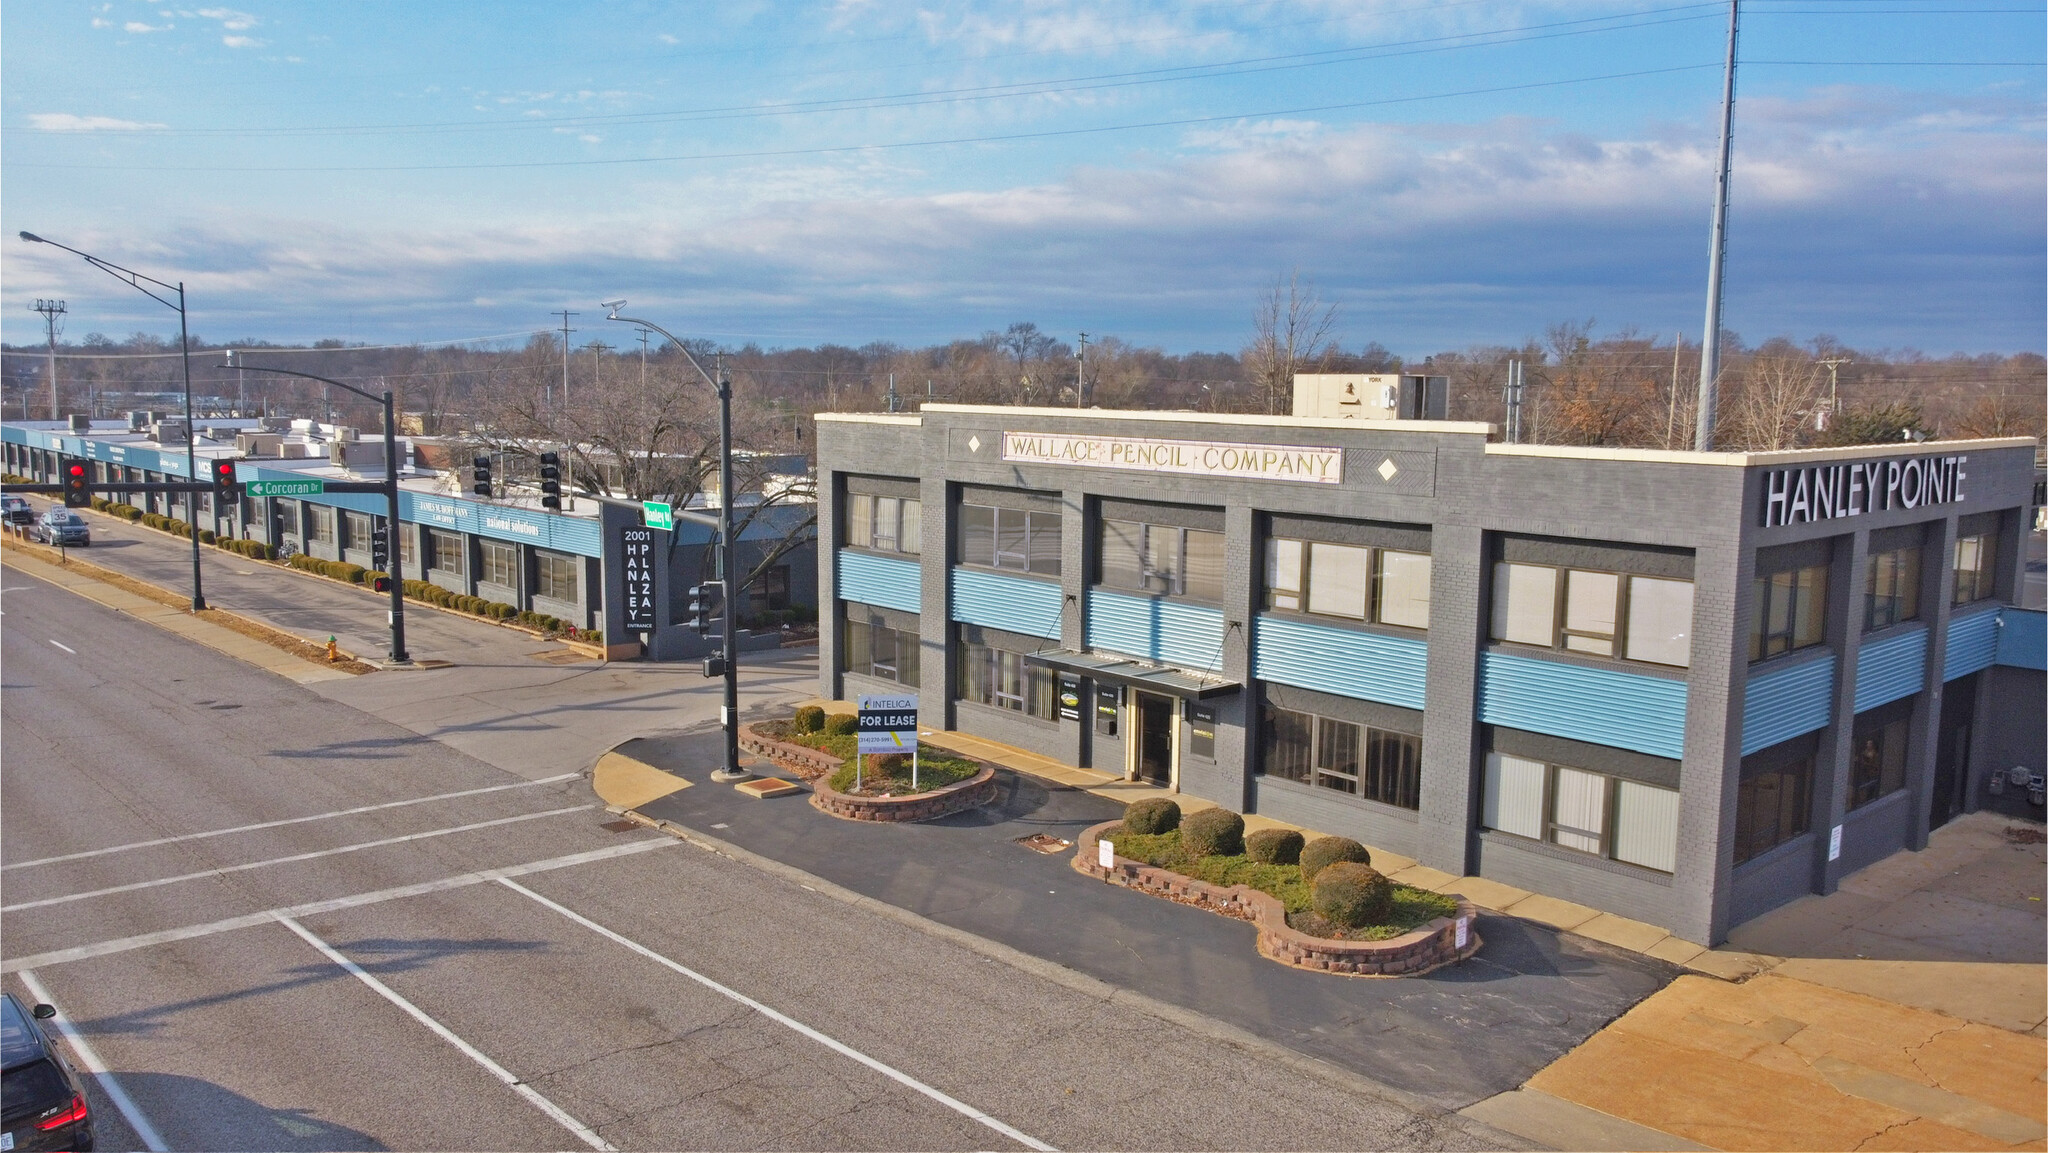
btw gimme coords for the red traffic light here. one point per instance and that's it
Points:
(76, 470)
(224, 472)
(77, 484)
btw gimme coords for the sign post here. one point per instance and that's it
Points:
(658, 514)
(881, 726)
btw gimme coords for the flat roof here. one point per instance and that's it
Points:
(1780, 458)
(1241, 419)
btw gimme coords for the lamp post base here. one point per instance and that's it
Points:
(728, 776)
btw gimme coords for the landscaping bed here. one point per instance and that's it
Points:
(1318, 905)
(820, 749)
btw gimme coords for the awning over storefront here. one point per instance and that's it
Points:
(1152, 678)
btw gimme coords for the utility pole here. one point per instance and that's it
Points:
(1512, 394)
(1834, 399)
(1710, 345)
(643, 360)
(566, 330)
(597, 350)
(51, 310)
(1671, 418)
(892, 393)
(1081, 373)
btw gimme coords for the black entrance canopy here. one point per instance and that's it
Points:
(1155, 678)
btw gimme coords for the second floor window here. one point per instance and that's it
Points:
(1976, 568)
(884, 523)
(1640, 618)
(876, 650)
(1010, 538)
(1894, 588)
(1791, 612)
(1162, 559)
(1387, 586)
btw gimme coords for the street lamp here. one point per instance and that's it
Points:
(729, 715)
(136, 281)
(392, 555)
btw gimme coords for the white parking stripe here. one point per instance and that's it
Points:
(556, 1112)
(65, 647)
(314, 908)
(110, 1084)
(226, 869)
(287, 821)
(844, 1050)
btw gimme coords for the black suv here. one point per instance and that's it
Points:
(41, 1103)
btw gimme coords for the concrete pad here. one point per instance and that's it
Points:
(1729, 964)
(2013, 997)
(1551, 911)
(1634, 936)
(1933, 1104)
(1675, 950)
(620, 780)
(763, 787)
(1423, 877)
(1803, 928)
(1482, 892)
(1972, 928)
(1562, 1124)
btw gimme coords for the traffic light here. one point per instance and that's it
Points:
(77, 484)
(480, 476)
(380, 584)
(380, 553)
(225, 491)
(550, 480)
(698, 612)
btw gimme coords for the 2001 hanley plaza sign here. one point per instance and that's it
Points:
(1197, 457)
(1827, 491)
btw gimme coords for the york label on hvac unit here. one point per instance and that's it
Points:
(1827, 491)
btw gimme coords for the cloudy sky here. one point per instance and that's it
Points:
(1449, 173)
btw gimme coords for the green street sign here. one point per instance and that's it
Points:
(284, 487)
(658, 514)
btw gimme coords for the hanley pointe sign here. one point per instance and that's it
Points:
(1828, 491)
(1244, 461)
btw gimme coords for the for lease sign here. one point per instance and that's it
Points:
(1249, 461)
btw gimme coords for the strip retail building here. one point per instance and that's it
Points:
(1682, 687)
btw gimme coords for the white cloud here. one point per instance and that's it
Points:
(138, 27)
(98, 22)
(230, 19)
(241, 42)
(67, 122)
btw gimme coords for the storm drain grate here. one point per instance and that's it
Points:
(619, 826)
(1044, 843)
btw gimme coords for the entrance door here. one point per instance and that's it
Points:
(1155, 738)
(1952, 753)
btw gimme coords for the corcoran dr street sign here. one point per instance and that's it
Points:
(658, 514)
(886, 725)
(284, 487)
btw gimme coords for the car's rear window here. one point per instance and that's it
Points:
(18, 1040)
(37, 1084)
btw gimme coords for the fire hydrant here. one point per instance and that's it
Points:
(333, 653)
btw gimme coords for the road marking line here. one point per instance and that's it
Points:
(533, 1096)
(65, 647)
(844, 1050)
(286, 821)
(331, 904)
(111, 1085)
(225, 870)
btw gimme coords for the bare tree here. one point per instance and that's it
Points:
(1291, 328)
(1774, 399)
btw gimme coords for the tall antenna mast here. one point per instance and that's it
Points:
(51, 310)
(1710, 346)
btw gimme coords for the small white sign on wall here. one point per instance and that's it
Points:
(1835, 844)
(1464, 931)
(1105, 854)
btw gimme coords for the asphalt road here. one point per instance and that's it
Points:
(401, 959)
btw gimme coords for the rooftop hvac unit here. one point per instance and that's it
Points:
(168, 432)
(260, 444)
(81, 422)
(296, 450)
(139, 420)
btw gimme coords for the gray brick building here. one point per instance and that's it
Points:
(1682, 687)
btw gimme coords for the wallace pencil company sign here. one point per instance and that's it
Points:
(1196, 457)
(1827, 491)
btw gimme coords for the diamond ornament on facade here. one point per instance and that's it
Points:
(973, 444)
(1388, 468)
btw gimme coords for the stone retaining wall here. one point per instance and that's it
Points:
(1428, 947)
(973, 792)
(803, 760)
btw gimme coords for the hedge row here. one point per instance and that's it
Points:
(434, 594)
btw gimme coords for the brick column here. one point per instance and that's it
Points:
(1451, 778)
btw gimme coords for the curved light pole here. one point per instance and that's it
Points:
(392, 555)
(729, 715)
(136, 281)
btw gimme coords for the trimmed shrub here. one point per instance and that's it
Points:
(1323, 852)
(1212, 833)
(809, 719)
(1352, 896)
(1274, 847)
(1152, 815)
(841, 725)
(131, 512)
(502, 611)
(594, 636)
(206, 536)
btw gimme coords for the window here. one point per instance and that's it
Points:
(360, 530)
(998, 677)
(1584, 811)
(501, 564)
(1350, 758)
(1010, 539)
(555, 576)
(1640, 618)
(1350, 581)
(1773, 803)
(322, 523)
(1161, 559)
(288, 517)
(876, 650)
(1877, 767)
(445, 552)
(408, 558)
(1894, 588)
(1791, 611)
(1976, 568)
(884, 523)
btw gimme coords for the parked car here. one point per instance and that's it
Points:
(61, 526)
(42, 1105)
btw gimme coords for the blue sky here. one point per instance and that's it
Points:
(1447, 173)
